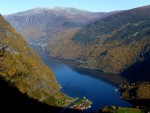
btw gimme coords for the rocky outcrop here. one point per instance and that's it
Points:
(135, 91)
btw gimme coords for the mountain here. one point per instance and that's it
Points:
(41, 24)
(114, 44)
(22, 68)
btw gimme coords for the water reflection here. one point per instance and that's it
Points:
(77, 82)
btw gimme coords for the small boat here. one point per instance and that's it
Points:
(116, 90)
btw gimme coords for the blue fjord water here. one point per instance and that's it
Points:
(77, 84)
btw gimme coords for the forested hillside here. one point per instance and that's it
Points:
(22, 68)
(111, 44)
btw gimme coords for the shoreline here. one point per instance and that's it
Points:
(112, 78)
(77, 63)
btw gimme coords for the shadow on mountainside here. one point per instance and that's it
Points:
(138, 72)
(11, 100)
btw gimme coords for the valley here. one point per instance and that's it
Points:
(80, 60)
(111, 42)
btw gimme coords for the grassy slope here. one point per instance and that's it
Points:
(21, 67)
(113, 109)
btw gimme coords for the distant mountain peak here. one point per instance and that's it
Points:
(68, 9)
(50, 19)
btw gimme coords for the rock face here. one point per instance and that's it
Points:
(44, 23)
(112, 44)
(21, 67)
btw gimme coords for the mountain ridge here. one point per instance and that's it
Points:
(57, 8)
(42, 23)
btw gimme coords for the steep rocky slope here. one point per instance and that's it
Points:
(111, 44)
(22, 68)
(40, 24)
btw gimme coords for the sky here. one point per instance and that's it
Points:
(13, 6)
